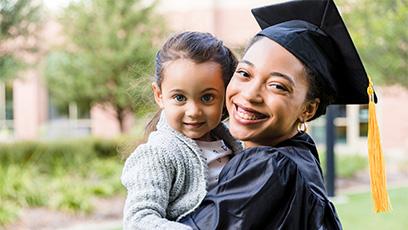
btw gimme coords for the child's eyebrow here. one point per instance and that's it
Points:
(176, 91)
(210, 89)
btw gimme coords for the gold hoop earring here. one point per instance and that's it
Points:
(302, 127)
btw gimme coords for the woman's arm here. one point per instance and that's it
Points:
(147, 176)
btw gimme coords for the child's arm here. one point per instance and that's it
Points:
(147, 176)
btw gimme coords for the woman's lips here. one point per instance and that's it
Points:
(247, 114)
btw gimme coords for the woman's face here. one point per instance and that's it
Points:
(266, 96)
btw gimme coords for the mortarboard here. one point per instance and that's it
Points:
(314, 32)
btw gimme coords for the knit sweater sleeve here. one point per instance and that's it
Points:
(147, 176)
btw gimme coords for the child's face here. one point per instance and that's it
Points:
(192, 97)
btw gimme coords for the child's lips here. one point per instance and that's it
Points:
(194, 124)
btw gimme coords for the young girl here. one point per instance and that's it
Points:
(167, 177)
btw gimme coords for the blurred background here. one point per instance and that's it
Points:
(75, 97)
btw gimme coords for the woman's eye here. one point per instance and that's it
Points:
(179, 98)
(278, 86)
(242, 73)
(207, 98)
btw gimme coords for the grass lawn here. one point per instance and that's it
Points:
(357, 213)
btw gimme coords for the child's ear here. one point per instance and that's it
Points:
(158, 97)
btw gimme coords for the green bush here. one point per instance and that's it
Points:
(19, 186)
(105, 149)
(8, 211)
(72, 196)
(62, 175)
(346, 165)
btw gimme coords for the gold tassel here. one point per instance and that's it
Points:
(376, 160)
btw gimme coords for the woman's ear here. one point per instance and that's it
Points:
(158, 97)
(310, 109)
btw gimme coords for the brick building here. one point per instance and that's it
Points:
(26, 111)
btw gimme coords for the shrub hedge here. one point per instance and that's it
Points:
(62, 175)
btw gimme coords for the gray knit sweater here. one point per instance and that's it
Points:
(166, 178)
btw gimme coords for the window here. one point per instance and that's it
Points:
(6, 110)
(363, 120)
(341, 123)
(67, 120)
(341, 110)
(69, 111)
(318, 130)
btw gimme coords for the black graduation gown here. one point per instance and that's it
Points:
(269, 188)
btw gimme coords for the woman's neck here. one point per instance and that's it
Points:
(270, 142)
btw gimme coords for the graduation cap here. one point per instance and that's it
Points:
(314, 32)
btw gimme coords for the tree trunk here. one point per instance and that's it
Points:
(121, 115)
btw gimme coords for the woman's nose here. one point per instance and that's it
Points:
(252, 92)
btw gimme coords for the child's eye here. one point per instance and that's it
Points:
(207, 98)
(242, 73)
(179, 98)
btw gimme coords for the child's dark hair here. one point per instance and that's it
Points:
(196, 46)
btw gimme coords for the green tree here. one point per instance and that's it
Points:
(379, 29)
(107, 56)
(18, 22)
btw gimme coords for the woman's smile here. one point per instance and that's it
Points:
(248, 115)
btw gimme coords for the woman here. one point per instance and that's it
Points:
(302, 61)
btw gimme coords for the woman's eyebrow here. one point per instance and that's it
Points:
(278, 74)
(247, 62)
(287, 77)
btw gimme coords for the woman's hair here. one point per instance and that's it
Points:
(318, 86)
(198, 47)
